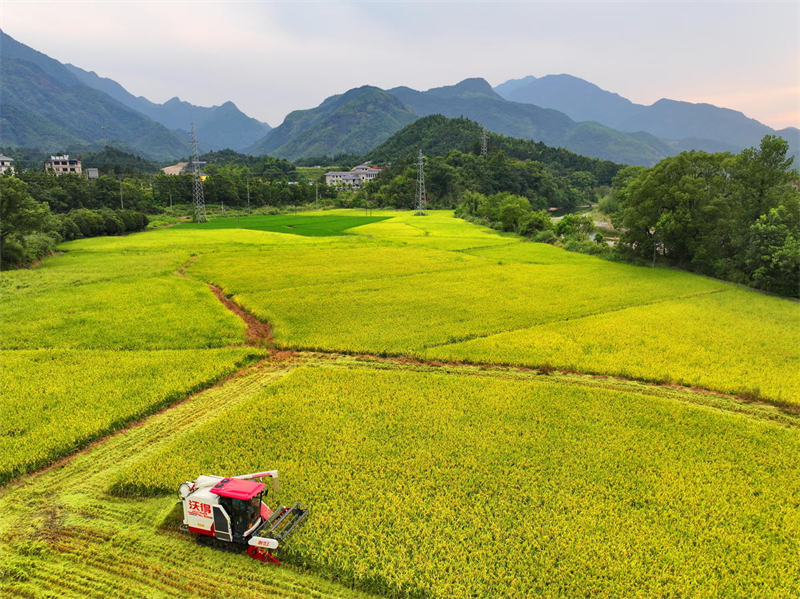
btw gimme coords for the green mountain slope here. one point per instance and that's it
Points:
(45, 106)
(218, 127)
(437, 135)
(527, 121)
(20, 127)
(353, 122)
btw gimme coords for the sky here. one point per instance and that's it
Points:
(270, 58)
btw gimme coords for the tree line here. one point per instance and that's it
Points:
(733, 217)
(29, 230)
(448, 177)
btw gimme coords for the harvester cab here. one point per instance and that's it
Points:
(234, 511)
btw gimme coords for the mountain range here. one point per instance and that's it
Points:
(217, 127)
(46, 104)
(682, 124)
(43, 105)
(49, 105)
(349, 123)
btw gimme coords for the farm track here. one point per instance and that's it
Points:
(96, 544)
(259, 333)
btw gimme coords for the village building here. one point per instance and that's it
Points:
(354, 178)
(62, 165)
(6, 164)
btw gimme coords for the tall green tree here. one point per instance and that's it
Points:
(26, 226)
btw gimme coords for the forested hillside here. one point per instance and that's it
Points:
(45, 106)
(437, 135)
(352, 123)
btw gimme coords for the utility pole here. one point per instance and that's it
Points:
(197, 183)
(484, 141)
(421, 200)
(654, 248)
(170, 199)
(316, 196)
(248, 194)
(121, 204)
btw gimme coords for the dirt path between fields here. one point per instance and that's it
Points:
(260, 333)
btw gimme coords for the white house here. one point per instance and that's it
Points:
(6, 164)
(354, 178)
(62, 165)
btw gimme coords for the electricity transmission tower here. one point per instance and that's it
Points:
(484, 141)
(421, 201)
(197, 184)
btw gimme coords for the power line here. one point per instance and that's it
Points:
(197, 184)
(421, 200)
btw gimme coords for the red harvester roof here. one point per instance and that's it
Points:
(237, 488)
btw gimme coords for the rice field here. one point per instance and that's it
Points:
(294, 224)
(434, 479)
(488, 485)
(748, 347)
(56, 401)
(64, 535)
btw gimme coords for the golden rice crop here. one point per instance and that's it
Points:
(735, 341)
(276, 267)
(81, 267)
(399, 314)
(165, 312)
(443, 485)
(55, 401)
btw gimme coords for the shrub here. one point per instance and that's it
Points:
(535, 222)
(546, 236)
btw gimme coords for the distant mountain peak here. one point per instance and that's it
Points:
(506, 88)
(473, 86)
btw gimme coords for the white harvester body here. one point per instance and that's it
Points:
(232, 510)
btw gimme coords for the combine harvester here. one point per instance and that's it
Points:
(232, 511)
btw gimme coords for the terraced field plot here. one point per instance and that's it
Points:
(746, 347)
(509, 485)
(374, 294)
(141, 313)
(55, 401)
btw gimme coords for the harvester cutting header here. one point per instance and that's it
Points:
(233, 510)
